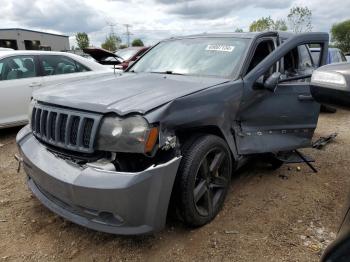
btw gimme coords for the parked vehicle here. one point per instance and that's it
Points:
(21, 72)
(335, 55)
(119, 59)
(330, 85)
(5, 49)
(110, 154)
(130, 54)
(104, 57)
(347, 56)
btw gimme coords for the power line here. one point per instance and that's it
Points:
(127, 33)
(111, 26)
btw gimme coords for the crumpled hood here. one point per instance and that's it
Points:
(124, 93)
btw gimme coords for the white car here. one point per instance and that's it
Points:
(22, 72)
(5, 49)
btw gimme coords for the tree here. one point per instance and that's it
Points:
(262, 24)
(300, 19)
(341, 35)
(137, 42)
(239, 30)
(123, 46)
(82, 40)
(279, 25)
(111, 43)
(268, 24)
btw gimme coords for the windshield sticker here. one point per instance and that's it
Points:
(220, 48)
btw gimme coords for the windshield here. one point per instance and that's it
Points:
(126, 54)
(217, 57)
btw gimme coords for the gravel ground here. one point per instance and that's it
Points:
(269, 215)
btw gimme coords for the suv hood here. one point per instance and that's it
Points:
(125, 93)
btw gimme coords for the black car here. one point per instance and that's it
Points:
(109, 153)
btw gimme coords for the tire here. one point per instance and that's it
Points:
(328, 109)
(203, 179)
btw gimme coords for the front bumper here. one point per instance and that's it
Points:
(113, 202)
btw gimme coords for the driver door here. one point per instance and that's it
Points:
(284, 118)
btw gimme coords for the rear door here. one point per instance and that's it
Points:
(58, 69)
(283, 119)
(18, 78)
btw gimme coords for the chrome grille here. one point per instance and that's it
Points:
(65, 128)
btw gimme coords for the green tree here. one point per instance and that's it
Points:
(82, 40)
(111, 43)
(262, 24)
(137, 42)
(300, 19)
(279, 25)
(341, 35)
(122, 46)
(239, 30)
(268, 24)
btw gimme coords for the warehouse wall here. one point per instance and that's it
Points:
(29, 39)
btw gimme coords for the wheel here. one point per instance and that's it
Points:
(203, 179)
(328, 109)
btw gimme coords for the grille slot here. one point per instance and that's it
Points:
(65, 128)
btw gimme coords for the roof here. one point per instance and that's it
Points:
(247, 35)
(28, 30)
(29, 52)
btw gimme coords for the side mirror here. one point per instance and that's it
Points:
(270, 83)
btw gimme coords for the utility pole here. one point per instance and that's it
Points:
(111, 26)
(127, 33)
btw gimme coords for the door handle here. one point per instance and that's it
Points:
(35, 84)
(305, 98)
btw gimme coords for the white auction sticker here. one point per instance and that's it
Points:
(221, 48)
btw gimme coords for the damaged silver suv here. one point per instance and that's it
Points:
(110, 152)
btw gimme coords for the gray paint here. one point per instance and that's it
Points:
(251, 121)
(126, 93)
(139, 201)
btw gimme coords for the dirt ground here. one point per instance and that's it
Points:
(282, 215)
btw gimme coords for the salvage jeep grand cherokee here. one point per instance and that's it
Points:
(109, 153)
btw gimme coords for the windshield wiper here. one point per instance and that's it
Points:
(166, 72)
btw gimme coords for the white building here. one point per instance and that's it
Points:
(24, 39)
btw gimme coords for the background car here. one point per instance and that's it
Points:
(347, 56)
(22, 72)
(335, 55)
(120, 59)
(130, 54)
(5, 49)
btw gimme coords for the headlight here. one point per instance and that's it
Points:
(328, 79)
(129, 135)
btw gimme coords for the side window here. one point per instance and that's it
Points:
(342, 57)
(17, 67)
(81, 68)
(58, 65)
(263, 49)
(305, 61)
(334, 56)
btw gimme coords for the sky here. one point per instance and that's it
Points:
(153, 20)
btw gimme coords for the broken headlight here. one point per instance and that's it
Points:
(129, 135)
